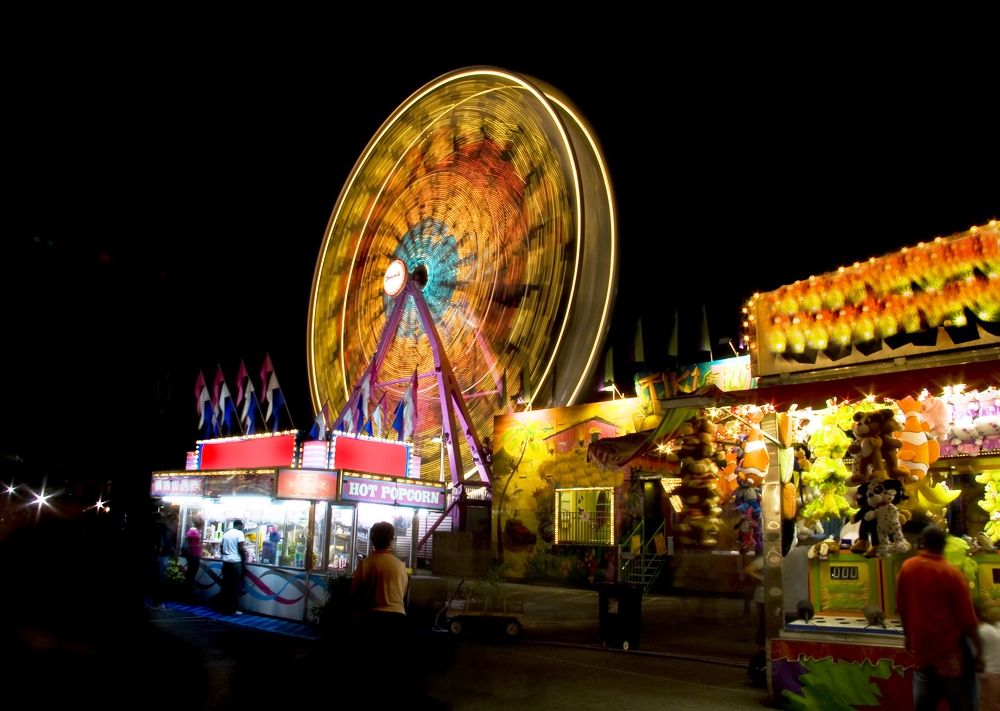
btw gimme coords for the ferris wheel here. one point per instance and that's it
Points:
(493, 187)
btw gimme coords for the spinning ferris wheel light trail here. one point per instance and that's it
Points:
(490, 189)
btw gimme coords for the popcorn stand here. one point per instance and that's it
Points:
(306, 509)
(884, 382)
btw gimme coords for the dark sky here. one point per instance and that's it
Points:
(167, 202)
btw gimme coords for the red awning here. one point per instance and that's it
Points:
(895, 384)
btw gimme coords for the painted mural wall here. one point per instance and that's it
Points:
(534, 454)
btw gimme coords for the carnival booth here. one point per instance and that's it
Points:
(883, 382)
(306, 509)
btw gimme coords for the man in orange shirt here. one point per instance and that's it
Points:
(939, 624)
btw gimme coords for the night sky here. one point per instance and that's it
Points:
(167, 202)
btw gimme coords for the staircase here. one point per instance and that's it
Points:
(643, 567)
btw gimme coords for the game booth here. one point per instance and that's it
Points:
(880, 383)
(306, 508)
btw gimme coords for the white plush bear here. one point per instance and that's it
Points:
(989, 429)
(966, 437)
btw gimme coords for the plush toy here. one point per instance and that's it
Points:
(829, 440)
(867, 448)
(867, 542)
(918, 451)
(960, 405)
(966, 437)
(727, 476)
(699, 516)
(882, 497)
(891, 445)
(988, 427)
(749, 528)
(828, 477)
(755, 460)
(987, 399)
(822, 549)
(806, 528)
(936, 414)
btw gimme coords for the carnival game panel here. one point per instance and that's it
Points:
(890, 574)
(843, 584)
(823, 674)
(988, 577)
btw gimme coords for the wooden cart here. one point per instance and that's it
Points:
(491, 614)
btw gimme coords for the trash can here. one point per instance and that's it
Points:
(620, 615)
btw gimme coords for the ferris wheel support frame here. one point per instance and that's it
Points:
(452, 401)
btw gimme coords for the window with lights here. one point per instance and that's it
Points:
(585, 516)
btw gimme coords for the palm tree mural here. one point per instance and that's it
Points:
(523, 438)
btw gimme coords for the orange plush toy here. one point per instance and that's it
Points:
(755, 460)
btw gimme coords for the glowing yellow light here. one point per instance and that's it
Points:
(756, 295)
(841, 270)
(857, 264)
(973, 229)
(993, 223)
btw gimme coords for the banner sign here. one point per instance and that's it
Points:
(311, 484)
(255, 484)
(384, 491)
(370, 456)
(248, 453)
(177, 485)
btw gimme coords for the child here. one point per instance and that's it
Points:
(988, 613)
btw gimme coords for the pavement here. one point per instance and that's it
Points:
(717, 630)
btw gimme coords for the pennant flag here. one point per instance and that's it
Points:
(251, 410)
(376, 420)
(265, 371)
(638, 352)
(206, 413)
(347, 424)
(367, 429)
(674, 337)
(225, 410)
(397, 421)
(275, 401)
(320, 424)
(410, 408)
(706, 342)
(361, 418)
(366, 390)
(199, 385)
(242, 379)
(219, 380)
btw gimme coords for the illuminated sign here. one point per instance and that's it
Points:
(370, 456)
(382, 491)
(395, 277)
(239, 484)
(311, 484)
(248, 453)
(177, 486)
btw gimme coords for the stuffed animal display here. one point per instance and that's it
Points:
(882, 497)
(699, 518)
(869, 463)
